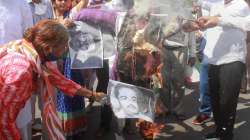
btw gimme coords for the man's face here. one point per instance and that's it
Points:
(128, 100)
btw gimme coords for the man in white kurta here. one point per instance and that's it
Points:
(205, 108)
(226, 56)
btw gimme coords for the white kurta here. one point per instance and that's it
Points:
(207, 4)
(227, 44)
(15, 17)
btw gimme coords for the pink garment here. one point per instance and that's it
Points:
(20, 74)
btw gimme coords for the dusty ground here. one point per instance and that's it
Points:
(176, 130)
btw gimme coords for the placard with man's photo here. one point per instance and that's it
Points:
(129, 101)
(86, 49)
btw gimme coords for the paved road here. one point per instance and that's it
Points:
(176, 130)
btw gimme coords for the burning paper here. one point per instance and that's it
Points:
(129, 101)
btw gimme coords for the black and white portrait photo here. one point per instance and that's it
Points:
(86, 49)
(129, 101)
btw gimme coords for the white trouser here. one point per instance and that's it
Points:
(23, 121)
(26, 132)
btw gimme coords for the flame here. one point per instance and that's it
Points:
(148, 130)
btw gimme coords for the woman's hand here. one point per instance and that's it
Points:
(68, 23)
(82, 4)
(93, 96)
(98, 96)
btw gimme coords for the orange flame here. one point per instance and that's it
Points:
(149, 130)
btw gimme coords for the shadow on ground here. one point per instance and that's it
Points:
(174, 129)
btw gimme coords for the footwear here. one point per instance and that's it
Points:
(212, 136)
(201, 119)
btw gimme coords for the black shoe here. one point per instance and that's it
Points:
(212, 136)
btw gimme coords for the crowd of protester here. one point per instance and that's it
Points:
(35, 64)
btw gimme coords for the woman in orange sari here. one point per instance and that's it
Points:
(25, 66)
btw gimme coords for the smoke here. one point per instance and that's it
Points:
(142, 6)
(169, 7)
(164, 18)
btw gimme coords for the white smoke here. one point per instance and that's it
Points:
(142, 6)
(169, 7)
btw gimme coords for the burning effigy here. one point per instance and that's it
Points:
(152, 49)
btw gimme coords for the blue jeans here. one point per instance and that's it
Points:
(205, 107)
